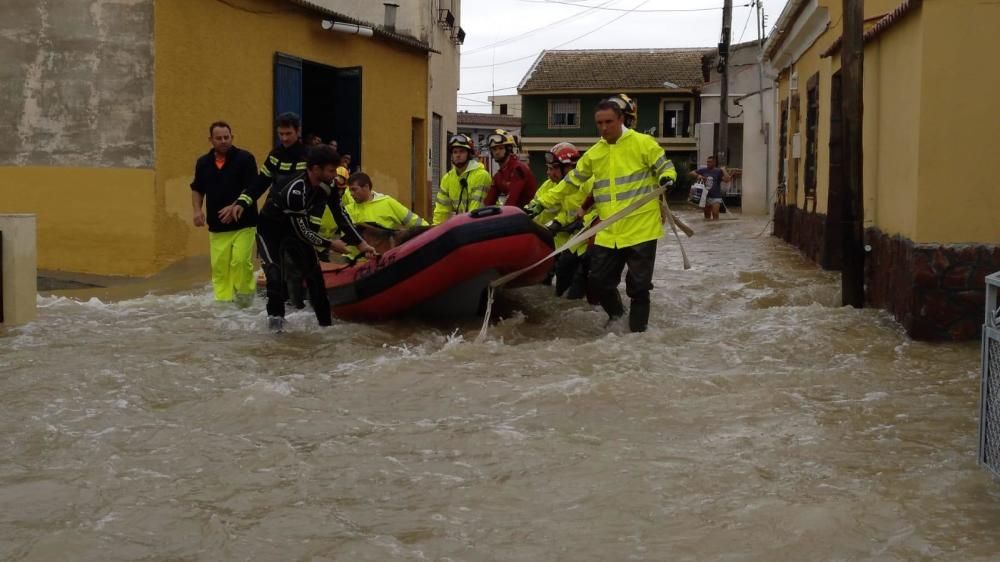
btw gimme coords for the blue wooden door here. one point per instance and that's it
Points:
(287, 85)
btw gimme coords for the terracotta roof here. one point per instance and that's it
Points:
(490, 119)
(624, 70)
(879, 28)
(377, 30)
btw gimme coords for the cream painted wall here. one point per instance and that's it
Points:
(20, 286)
(959, 199)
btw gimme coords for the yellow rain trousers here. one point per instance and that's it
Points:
(232, 264)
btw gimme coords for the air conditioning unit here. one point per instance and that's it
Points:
(446, 19)
(793, 82)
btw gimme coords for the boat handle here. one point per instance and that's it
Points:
(485, 212)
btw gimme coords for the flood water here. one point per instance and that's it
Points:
(755, 420)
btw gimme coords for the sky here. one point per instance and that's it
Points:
(504, 37)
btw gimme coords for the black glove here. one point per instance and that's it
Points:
(574, 226)
(555, 227)
(666, 183)
(324, 255)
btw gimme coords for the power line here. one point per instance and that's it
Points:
(662, 10)
(545, 27)
(749, 13)
(581, 36)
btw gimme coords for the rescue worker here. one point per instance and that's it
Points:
(625, 166)
(571, 265)
(369, 206)
(285, 225)
(382, 220)
(219, 177)
(514, 180)
(463, 187)
(281, 164)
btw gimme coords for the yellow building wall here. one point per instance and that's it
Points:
(205, 71)
(806, 66)
(92, 220)
(959, 195)
(895, 59)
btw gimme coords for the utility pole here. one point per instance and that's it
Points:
(852, 52)
(727, 23)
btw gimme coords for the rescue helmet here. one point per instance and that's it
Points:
(562, 153)
(628, 105)
(461, 141)
(501, 137)
(341, 178)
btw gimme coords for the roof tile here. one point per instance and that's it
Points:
(616, 69)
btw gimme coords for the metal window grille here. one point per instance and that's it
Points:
(989, 396)
(564, 113)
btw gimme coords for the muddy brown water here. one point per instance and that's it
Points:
(755, 420)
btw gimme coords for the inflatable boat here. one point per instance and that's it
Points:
(443, 272)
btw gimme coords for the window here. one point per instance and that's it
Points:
(564, 114)
(676, 119)
(503, 109)
(812, 124)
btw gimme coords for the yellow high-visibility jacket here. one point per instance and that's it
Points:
(327, 226)
(622, 172)
(567, 214)
(545, 216)
(383, 211)
(453, 198)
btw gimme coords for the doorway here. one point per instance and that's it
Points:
(327, 98)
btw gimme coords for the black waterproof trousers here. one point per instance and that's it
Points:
(606, 267)
(277, 242)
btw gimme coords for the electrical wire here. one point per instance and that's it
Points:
(581, 36)
(545, 27)
(660, 10)
(749, 13)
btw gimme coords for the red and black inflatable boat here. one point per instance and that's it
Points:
(443, 272)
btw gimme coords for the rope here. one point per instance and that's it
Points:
(576, 239)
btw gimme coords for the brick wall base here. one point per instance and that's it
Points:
(935, 291)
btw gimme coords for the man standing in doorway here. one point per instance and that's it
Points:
(712, 177)
(219, 177)
(514, 179)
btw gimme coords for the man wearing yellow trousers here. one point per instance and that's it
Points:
(219, 178)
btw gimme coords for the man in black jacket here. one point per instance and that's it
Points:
(219, 177)
(285, 226)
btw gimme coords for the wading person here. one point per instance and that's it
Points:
(625, 166)
(712, 177)
(285, 226)
(463, 187)
(281, 164)
(219, 178)
(514, 181)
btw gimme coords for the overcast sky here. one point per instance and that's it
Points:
(504, 37)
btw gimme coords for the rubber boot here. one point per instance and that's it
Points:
(638, 316)
(276, 324)
(611, 302)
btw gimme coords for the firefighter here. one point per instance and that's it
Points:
(624, 166)
(463, 187)
(514, 180)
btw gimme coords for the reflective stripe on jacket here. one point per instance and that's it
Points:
(621, 172)
(453, 198)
